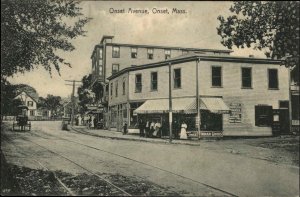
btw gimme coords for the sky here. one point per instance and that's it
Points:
(195, 28)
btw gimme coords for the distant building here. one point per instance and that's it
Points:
(30, 102)
(239, 96)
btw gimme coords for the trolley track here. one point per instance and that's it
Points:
(127, 158)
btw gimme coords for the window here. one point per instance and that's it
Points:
(246, 77)
(273, 78)
(31, 112)
(150, 54)
(133, 52)
(116, 88)
(216, 76)
(30, 103)
(177, 78)
(167, 53)
(138, 83)
(154, 81)
(100, 54)
(263, 115)
(116, 52)
(124, 87)
(115, 68)
(111, 89)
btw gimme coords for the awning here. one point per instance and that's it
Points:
(214, 105)
(182, 105)
(179, 105)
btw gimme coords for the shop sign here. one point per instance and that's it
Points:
(235, 113)
(211, 134)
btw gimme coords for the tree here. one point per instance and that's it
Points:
(85, 94)
(33, 31)
(269, 25)
(52, 103)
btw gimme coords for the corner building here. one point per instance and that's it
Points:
(238, 96)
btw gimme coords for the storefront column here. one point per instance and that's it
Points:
(198, 117)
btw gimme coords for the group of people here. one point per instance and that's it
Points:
(155, 129)
(89, 121)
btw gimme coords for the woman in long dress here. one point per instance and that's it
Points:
(183, 134)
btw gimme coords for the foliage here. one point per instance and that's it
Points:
(85, 95)
(33, 31)
(28, 89)
(8, 103)
(52, 103)
(269, 25)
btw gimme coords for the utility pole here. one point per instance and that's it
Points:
(170, 104)
(73, 99)
(198, 117)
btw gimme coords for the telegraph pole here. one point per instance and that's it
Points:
(170, 104)
(198, 117)
(73, 99)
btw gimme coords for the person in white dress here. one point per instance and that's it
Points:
(183, 134)
(92, 121)
(79, 120)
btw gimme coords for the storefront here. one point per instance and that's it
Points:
(184, 110)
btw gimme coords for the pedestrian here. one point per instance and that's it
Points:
(125, 129)
(157, 126)
(152, 129)
(79, 120)
(92, 121)
(141, 127)
(183, 134)
(147, 129)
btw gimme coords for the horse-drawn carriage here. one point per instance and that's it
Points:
(21, 120)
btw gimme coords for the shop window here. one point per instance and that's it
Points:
(167, 53)
(263, 115)
(150, 54)
(123, 87)
(177, 78)
(138, 83)
(116, 52)
(116, 88)
(133, 52)
(273, 78)
(30, 103)
(154, 81)
(115, 68)
(216, 76)
(246, 77)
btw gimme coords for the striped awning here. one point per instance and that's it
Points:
(214, 105)
(182, 105)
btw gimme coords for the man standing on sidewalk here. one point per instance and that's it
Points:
(141, 127)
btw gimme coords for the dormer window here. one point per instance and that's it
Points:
(150, 54)
(167, 53)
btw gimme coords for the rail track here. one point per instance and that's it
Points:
(122, 156)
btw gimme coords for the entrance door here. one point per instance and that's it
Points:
(284, 121)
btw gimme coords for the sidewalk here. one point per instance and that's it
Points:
(130, 136)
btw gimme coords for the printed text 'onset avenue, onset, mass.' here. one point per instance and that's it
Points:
(146, 11)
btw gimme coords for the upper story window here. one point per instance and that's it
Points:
(150, 54)
(115, 68)
(273, 78)
(115, 52)
(177, 78)
(154, 81)
(124, 86)
(100, 53)
(167, 53)
(116, 88)
(246, 78)
(111, 89)
(138, 83)
(216, 76)
(30, 103)
(133, 52)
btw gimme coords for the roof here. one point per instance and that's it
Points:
(193, 57)
(34, 99)
(106, 37)
(171, 47)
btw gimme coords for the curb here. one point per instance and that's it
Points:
(132, 139)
